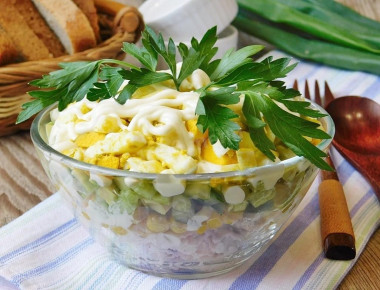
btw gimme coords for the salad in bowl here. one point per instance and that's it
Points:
(183, 173)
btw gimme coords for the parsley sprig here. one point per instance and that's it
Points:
(235, 74)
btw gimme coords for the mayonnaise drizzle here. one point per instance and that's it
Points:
(161, 113)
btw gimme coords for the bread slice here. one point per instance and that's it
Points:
(8, 51)
(69, 23)
(89, 9)
(29, 46)
(35, 21)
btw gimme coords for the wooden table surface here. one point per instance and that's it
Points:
(20, 191)
(366, 272)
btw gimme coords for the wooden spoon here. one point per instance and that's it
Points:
(357, 137)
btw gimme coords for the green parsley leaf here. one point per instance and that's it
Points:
(256, 127)
(270, 69)
(233, 77)
(198, 55)
(291, 129)
(192, 61)
(232, 60)
(126, 93)
(146, 54)
(42, 100)
(217, 118)
(158, 44)
(144, 77)
(68, 74)
(98, 92)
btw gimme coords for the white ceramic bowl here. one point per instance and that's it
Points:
(183, 19)
(227, 39)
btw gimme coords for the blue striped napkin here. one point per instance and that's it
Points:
(46, 248)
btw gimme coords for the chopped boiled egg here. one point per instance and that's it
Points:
(175, 159)
(117, 143)
(139, 165)
(208, 153)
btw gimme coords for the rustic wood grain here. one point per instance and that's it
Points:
(23, 184)
(368, 8)
(366, 272)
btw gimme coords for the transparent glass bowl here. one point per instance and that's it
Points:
(209, 223)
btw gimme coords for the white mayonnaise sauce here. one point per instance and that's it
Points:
(161, 113)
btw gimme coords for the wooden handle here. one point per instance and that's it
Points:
(336, 227)
(109, 7)
(126, 18)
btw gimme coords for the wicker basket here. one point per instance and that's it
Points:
(119, 23)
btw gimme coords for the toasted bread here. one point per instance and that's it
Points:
(89, 9)
(69, 23)
(35, 21)
(8, 51)
(28, 44)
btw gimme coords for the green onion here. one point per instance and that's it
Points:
(284, 11)
(350, 15)
(311, 49)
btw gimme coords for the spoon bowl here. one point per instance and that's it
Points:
(357, 137)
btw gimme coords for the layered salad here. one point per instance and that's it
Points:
(187, 176)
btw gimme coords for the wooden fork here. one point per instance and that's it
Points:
(336, 228)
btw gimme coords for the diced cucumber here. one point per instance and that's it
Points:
(182, 209)
(106, 194)
(145, 189)
(198, 190)
(216, 201)
(238, 207)
(290, 173)
(161, 199)
(84, 181)
(284, 152)
(119, 182)
(125, 183)
(157, 207)
(128, 200)
(259, 195)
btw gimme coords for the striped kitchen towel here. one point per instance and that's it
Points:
(46, 248)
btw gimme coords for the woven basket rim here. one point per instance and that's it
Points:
(14, 78)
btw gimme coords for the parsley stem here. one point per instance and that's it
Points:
(119, 62)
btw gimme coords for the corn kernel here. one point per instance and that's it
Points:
(89, 139)
(157, 223)
(177, 227)
(119, 231)
(202, 229)
(214, 223)
(109, 161)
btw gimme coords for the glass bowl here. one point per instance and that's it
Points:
(185, 226)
